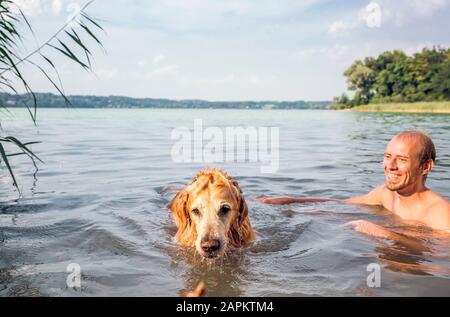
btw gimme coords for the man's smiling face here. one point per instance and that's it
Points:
(402, 164)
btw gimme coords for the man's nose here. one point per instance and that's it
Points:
(392, 164)
(210, 245)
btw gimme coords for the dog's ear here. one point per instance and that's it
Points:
(240, 232)
(235, 184)
(243, 208)
(179, 209)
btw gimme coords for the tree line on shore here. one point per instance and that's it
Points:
(48, 100)
(394, 77)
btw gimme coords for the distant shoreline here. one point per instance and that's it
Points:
(72, 107)
(437, 107)
(48, 100)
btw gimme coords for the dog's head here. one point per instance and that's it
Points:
(211, 214)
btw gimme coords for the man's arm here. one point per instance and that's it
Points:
(292, 200)
(374, 230)
(372, 198)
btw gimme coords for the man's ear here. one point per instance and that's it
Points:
(179, 209)
(427, 167)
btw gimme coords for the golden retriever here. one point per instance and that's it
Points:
(211, 214)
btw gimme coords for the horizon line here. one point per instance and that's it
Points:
(170, 99)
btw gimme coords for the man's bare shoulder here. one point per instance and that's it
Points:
(436, 199)
(438, 212)
(440, 204)
(382, 194)
(381, 191)
(375, 197)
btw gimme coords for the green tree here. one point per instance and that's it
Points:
(341, 102)
(426, 65)
(441, 82)
(67, 41)
(397, 77)
(360, 78)
(391, 69)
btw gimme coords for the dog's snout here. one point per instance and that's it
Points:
(210, 245)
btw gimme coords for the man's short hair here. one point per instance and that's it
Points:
(427, 151)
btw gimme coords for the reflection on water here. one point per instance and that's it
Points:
(100, 202)
(223, 277)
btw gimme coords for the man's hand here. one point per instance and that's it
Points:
(374, 230)
(371, 229)
(272, 201)
(291, 200)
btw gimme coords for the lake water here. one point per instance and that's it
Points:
(99, 202)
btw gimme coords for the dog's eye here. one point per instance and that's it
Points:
(195, 211)
(224, 210)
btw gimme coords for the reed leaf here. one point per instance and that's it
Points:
(62, 42)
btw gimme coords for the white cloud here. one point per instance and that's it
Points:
(333, 53)
(421, 7)
(164, 71)
(229, 80)
(156, 64)
(159, 59)
(253, 79)
(209, 15)
(28, 7)
(39, 7)
(142, 63)
(57, 6)
(306, 52)
(225, 80)
(400, 11)
(371, 15)
(234, 7)
(250, 79)
(340, 27)
(384, 12)
(107, 74)
(338, 52)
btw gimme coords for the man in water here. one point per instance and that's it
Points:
(408, 159)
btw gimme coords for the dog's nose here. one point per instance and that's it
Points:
(210, 245)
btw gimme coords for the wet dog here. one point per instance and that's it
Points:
(211, 214)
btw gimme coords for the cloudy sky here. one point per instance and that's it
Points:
(235, 49)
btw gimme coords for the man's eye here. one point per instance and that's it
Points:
(195, 211)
